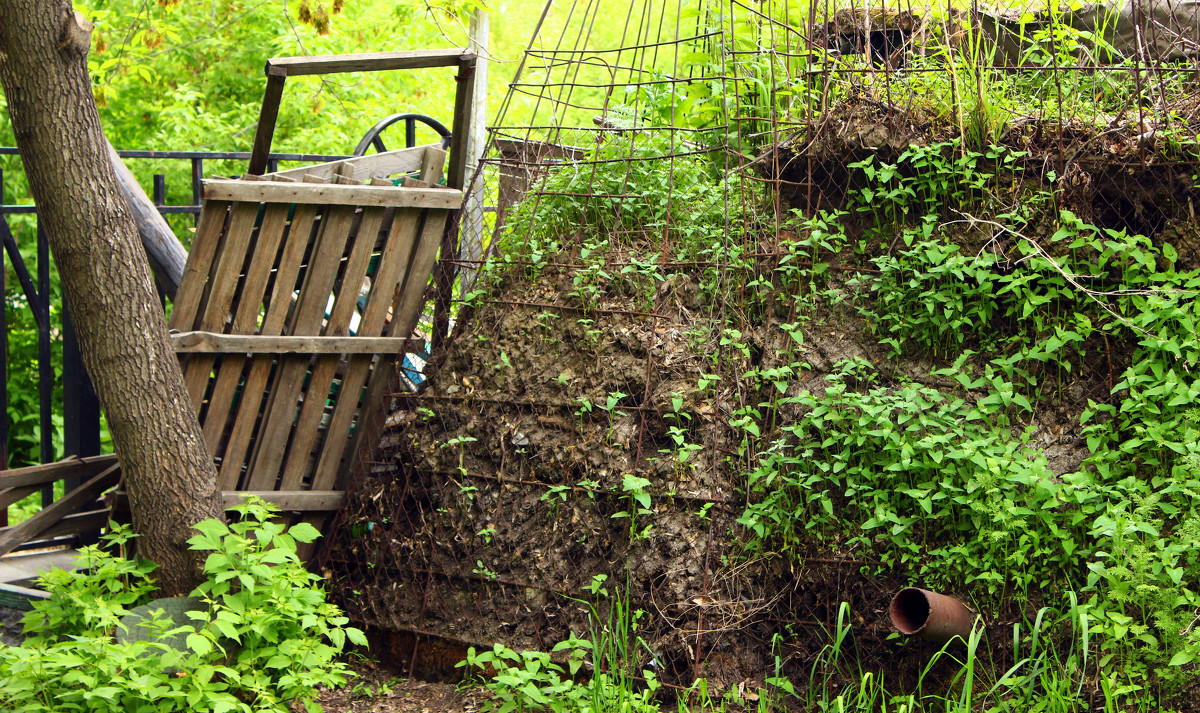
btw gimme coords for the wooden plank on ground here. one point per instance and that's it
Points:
(332, 194)
(27, 566)
(369, 62)
(209, 342)
(295, 245)
(42, 520)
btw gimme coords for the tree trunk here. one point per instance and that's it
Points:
(106, 282)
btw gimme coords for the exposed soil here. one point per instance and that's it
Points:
(377, 690)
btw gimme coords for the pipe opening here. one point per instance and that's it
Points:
(909, 611)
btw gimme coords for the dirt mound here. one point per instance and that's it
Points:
(584, 444)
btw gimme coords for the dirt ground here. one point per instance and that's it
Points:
(376, 690)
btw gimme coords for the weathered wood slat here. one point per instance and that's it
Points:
(464, 88)
(82, 468)
(41, 521)
(22, 567)
(15, 495)
(282, 402)
(412, 295)
(209, 342)
(73, 524)
(320, 380)
(389, 163)
(333, 194)
(299, 234)
(394, 265)
(214, 312)
(199, 263)
(369, 62)
(291, 500)
(411, 298)
(245, 318)
(404, 321)
(286, 500)
(265, 131)
(432, 166)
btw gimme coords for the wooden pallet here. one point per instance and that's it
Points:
(301, 290)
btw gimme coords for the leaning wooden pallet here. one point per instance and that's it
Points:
(301, 291)
(283, 277)
(303, 288)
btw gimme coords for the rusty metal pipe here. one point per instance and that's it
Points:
(929, 615)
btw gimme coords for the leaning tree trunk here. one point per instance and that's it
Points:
(106, 282)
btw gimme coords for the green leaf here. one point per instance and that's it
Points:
(199, 644)
(356, 636)
(304, 532)
(1182, 657)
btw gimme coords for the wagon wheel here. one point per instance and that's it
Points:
(372, 138)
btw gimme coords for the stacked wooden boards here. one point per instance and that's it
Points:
(301, 290)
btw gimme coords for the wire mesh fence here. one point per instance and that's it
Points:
(664, 274)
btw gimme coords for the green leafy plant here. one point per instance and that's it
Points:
(265, 638)
(578, 675)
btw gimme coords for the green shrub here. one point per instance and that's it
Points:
(267, 640)
(931, 482)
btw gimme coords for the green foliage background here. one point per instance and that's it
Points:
(172, 76)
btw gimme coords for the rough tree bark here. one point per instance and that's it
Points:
(106, 281)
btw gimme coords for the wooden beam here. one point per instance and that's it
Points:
(212, 343)
(460, 130)
(23, 567)
(286, 500)
(371, 62)
(333, 194)
(16, 495)
(456, 176)
(290, 500)
(379, 165)
(82, 468)
(44, 519)
(267, 117)
(166, 254)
